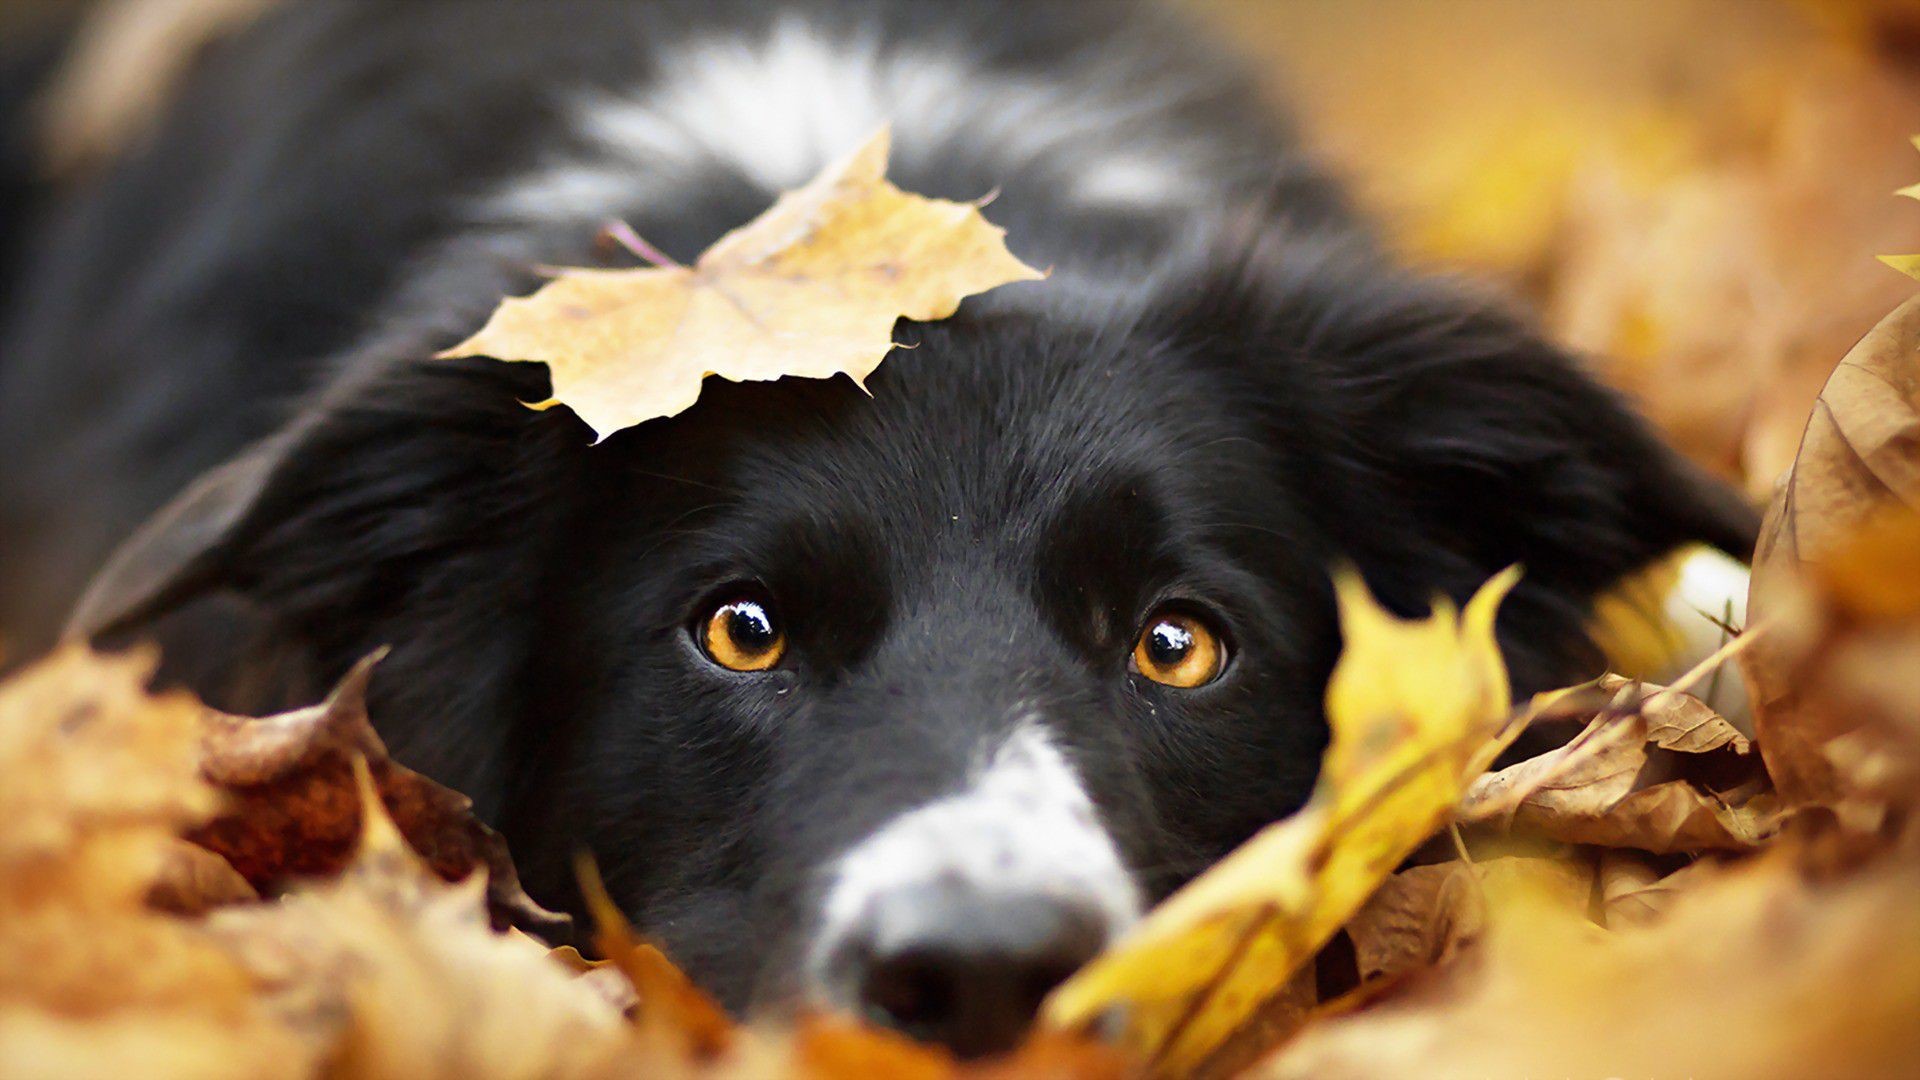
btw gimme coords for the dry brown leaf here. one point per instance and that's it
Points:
(672, 1017)
(1751, 974)
(813, 288)
(1655, 770)
(397, 973)
(293, 813)
(1418, 919)
(96, 778)
(1858, 467)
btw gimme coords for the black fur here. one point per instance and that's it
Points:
(1237, 401)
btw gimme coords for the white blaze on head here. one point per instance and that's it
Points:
(1024, 827)
(778, 106)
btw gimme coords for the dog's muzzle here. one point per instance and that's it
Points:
(954, 920)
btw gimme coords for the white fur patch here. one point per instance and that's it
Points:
(1024, 827)
(778, 108)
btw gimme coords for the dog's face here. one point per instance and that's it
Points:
(910, 703)
(1041, 625)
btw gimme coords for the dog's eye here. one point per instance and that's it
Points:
(742, 635)
(1178, 649)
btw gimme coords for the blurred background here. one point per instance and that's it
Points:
(1690, 191)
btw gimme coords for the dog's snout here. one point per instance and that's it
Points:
(945, 963)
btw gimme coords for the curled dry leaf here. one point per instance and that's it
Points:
(397, 973)
(1655, 770)
(292, 810)
(1825, 584)
(96, 778)
(813, 287)
(1414, 708)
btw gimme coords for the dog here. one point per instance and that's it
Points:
(905, 704)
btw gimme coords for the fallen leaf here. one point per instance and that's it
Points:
(1751, 973)
(672, 1015)
(292, 811)
(398, 973)
(1419, 918)
(1654, 770)
(812, 288)
(1636, 889)
(96, 779)
(1858, 465)
(1414, 708)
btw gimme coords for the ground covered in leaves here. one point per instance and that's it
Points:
(1671, 893)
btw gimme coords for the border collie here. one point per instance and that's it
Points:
(903, 703)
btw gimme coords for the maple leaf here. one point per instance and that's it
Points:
(813, 288)
(1414, 708)
(293, 811)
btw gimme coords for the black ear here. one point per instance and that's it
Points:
(408, 508)
(1440, 438)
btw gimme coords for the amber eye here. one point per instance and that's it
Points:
(1178, 649)
(741, 635)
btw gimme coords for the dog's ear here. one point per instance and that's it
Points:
(416, 462)
(408, 509)
(1439, 423)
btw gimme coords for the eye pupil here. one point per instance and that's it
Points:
(1168, 643)
(750, 627)
(742, 635)
(1179, 650)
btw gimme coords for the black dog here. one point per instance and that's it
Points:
(905, 703)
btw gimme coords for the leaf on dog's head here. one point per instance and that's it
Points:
(1414, 706)
(810, 288)
(293, 811)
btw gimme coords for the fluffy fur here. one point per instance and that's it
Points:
(1225, 390)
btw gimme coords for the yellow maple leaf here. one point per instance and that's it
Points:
(1906, 264)
(811, 288)
(1414, 706)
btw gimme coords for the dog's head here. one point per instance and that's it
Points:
(912, 702)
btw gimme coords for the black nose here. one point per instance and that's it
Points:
(949, 964)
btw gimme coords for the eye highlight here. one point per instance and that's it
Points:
(1179, 650)
(743, 635)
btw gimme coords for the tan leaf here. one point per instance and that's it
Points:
(813, 288)
(96, 777)
(1655, 770)
(293, 812)
(398, 973)
(1753, 973)
(1418, 919)
(1858, 466)
(1414, 707)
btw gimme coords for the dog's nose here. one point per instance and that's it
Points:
(945, 963)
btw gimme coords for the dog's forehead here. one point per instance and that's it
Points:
(1000, 421)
